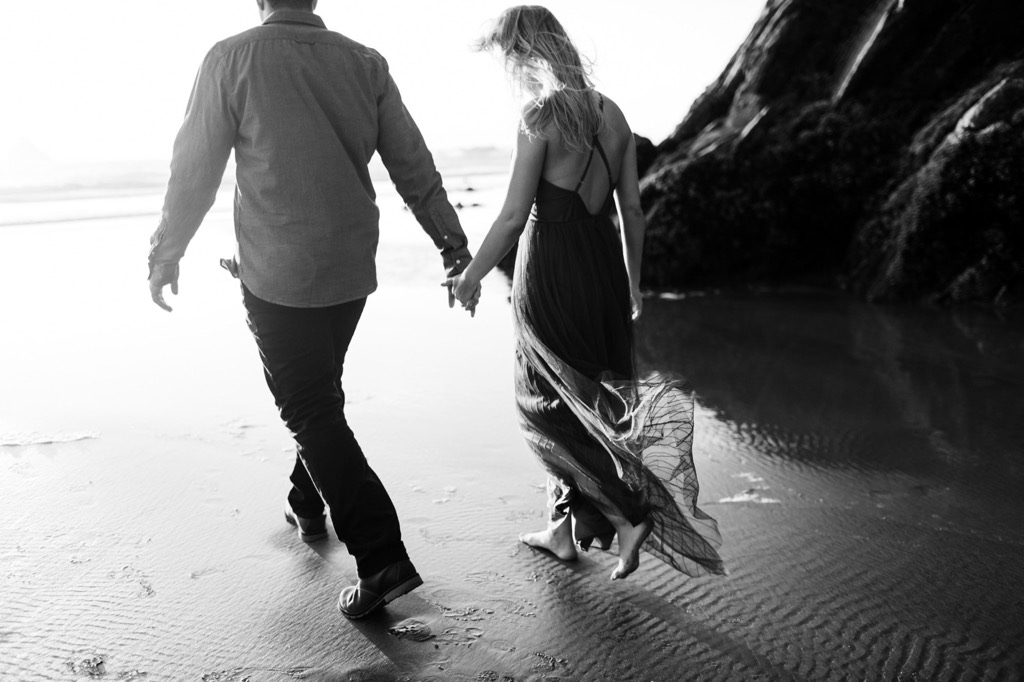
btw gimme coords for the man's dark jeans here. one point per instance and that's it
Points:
(303, 351)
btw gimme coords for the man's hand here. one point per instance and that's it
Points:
(467, 292)
(160, 275)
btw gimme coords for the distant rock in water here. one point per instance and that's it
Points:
(876, 145)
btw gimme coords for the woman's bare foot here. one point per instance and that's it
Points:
(556, 539)
(631, 538)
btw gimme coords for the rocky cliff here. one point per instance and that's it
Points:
(876, 145)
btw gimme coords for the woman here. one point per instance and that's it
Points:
(617, 449)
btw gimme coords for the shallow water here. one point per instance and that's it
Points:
(823, 381)
(884, 447)
(863, 462)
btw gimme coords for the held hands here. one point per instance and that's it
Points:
(465, 290)
(160, 275)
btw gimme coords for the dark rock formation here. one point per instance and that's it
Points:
(871, 144)
(646, 152)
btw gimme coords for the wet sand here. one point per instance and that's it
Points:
(864, 465)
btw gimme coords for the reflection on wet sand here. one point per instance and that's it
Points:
(888, 441)
(830, 381)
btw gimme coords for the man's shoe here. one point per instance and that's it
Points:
(371, 594)
(310, 530)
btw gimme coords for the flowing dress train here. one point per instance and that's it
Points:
(608, 439)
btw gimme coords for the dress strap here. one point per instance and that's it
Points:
(604, 157)
(586, 168)
(595, 144)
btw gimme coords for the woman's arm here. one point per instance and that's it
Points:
(527, 164)
(632, 222)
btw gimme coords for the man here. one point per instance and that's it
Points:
(304, 109)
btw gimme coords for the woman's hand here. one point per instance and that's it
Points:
(637, 301)
(465, 289)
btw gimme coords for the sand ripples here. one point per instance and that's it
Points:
(892, 546)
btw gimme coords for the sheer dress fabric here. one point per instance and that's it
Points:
(607, 438)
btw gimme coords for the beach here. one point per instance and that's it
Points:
(864, 464)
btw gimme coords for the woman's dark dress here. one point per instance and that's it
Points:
(604, 436)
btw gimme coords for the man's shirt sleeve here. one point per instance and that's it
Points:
(411, 167)
(201, 152)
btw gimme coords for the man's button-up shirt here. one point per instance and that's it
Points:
(304, 109)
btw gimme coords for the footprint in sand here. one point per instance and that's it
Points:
(492, 578)
(460, 636)
(518, 607)
(418, 631)
(461, 613)
(435, 541)
(504, 646)
(129, 574)
(548, 663)
(524, 515)
(492, 676)
(412, 629)
(89, 665)
(452, 604)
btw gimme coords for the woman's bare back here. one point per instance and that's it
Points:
(564, 168)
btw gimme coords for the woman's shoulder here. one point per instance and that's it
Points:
(616, 129)
(613, 115)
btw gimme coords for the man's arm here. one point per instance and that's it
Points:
(201, 152)
(411, 167)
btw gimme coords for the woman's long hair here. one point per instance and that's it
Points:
(546, 65)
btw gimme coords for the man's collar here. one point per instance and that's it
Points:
(294, 16)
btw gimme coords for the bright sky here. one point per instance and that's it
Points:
(109, 79)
